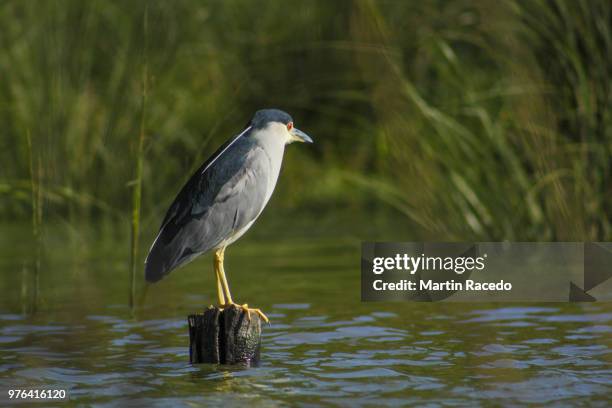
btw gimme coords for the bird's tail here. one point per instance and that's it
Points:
(155, 268)
(165, 256)
(159, 261)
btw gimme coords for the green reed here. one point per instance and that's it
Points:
(476, 120)
(488, 144)
(37, 215)
(137, 184)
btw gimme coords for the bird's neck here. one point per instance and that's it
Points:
(273, 145)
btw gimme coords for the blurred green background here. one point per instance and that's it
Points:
(471, 120)
(477, 120)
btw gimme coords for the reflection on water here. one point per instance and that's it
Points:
(323, 347)
(382, 358)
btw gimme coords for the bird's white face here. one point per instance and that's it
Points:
(288, 133)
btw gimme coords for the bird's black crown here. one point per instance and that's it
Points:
(265, 116)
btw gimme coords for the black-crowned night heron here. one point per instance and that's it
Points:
(223, 199)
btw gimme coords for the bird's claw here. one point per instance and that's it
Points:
(261, 314)
(248, 311)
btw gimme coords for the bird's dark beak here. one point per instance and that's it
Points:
(300, 136)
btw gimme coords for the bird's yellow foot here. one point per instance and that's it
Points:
(261, 314)
(248, 311)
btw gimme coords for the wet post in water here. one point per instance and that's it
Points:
(224, 337)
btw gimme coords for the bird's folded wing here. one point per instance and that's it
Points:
(182, 203)
(211, 207)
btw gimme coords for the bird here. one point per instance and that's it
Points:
(223, 199)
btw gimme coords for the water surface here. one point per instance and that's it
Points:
(324, 347)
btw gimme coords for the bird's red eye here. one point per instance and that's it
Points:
(289, 125)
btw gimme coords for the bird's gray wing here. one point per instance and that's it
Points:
(182, 203)
(216, 203)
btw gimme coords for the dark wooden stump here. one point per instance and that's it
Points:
(224, 337)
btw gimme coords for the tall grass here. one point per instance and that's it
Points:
(475, 119)
(137, 183)
(572, 44)
(37, 217)
(475, 126)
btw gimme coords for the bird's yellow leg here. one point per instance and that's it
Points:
(220, 294)
(227, 300)
(219, 257)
